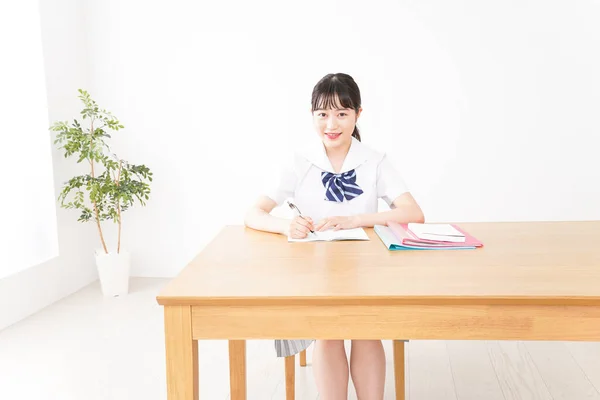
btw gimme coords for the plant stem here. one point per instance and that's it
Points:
(95, 206)
(119, 206)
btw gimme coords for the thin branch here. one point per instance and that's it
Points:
(94, 201)
(117, 182)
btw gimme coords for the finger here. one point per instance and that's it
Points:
(303, 229)
(299, 234)
(306, 221)
(303, 222)
(337, 227)
(311, 223)
(295, 229)
(320, 224)
(327, 225)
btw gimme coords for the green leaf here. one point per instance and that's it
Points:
(108, 194)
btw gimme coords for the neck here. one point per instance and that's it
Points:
(338, 151)
(337, 156)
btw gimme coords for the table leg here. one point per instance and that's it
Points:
(399, 369)
(290, 375)
(237, 369)
(303, 358)
(181, 354)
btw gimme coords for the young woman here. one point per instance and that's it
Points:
(336, 182)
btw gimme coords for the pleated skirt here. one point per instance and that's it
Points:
(286, 348)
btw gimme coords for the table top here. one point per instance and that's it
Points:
(553, 263)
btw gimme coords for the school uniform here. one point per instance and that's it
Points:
(319, 192)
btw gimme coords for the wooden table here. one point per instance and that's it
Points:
(531, 281)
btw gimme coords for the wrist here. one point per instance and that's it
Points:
(358, 222)
(284, 227)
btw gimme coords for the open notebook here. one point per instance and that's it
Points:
(331, 235)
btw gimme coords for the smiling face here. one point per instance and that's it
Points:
(334, 123)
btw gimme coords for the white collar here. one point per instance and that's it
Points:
(316, 154)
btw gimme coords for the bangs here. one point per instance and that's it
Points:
(332, 95)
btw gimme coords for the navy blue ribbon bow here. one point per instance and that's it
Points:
(340, 186)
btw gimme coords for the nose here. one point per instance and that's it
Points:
(331, 123)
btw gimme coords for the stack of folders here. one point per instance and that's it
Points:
(425, 237)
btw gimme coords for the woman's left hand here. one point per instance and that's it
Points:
(337, 223)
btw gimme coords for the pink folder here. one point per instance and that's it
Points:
(406, 237)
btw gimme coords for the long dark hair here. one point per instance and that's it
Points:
(333, 88)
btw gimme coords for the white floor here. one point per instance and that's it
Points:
(87, 347)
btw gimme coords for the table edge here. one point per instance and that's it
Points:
(379, 300)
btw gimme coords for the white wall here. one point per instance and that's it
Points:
(490, 109)
(26, 292)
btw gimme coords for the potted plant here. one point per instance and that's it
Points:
(110, 188)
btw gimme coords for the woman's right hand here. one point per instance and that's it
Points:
(300, 227)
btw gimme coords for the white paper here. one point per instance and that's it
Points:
(331, 235)
(444, 232)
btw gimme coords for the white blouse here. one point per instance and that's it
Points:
(300, 181)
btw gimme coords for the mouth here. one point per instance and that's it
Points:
(333, 136)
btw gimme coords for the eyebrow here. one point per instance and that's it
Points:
(337, 109)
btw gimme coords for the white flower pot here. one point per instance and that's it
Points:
(113, 270)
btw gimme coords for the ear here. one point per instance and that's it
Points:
(359, 112)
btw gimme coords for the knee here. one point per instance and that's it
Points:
(330, 345)
(367, 344)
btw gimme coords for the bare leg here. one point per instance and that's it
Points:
(330, 367)
(367, 366)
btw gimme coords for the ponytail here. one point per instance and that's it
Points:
(356, 133)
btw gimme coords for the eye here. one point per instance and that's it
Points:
(321, 114)
(343, 114)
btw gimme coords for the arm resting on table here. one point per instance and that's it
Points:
(405, 209)
(258, 217)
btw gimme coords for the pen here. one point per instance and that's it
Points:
(293, 207)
